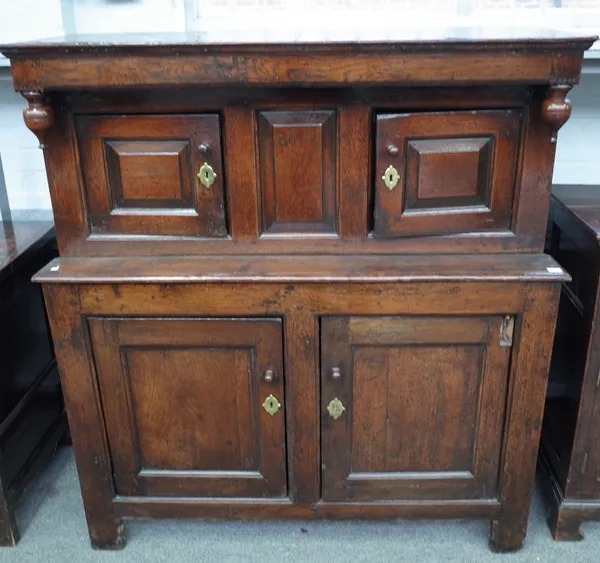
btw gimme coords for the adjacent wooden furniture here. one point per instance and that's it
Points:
(32, 417)
(260, 312)
(570, 447)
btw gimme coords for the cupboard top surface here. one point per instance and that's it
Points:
(313, 269)
(409, 39)
(305, 58)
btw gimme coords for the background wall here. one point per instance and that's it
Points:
(577, 157)
(22, 160)
(578, 152)
(578, 149)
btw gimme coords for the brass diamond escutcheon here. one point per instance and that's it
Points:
(271, 405)
(335, 408)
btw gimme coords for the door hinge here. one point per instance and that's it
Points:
(584, 463)
(506, 330)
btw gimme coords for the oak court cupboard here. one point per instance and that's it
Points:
(302, 278)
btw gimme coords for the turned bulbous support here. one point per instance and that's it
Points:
(556, 108)
(38, 116)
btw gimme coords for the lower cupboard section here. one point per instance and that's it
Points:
(331, 412)
(412, 407)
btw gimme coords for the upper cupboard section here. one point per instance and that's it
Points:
(314, 171)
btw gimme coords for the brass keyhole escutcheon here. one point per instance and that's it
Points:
(271, 405)
(390, 177)
(335, 408)
(207, 175)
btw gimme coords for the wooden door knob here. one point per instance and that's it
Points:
(392, 150)
(269, 376)
(336, 373)
(204, 148)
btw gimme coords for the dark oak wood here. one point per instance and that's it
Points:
(522, 434)
(32, 418)
(299, 340)
(350, 187)
(506, 215)
(556, 109)
(209, 509)
(297, 57)
(570, 450)
(38, 116)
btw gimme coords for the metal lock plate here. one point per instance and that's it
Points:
(390, 177)
(335, 408)
(271, 405)
(207, 175)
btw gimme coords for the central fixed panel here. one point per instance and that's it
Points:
(297, 153)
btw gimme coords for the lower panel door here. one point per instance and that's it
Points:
(193, 407)
(412, 407)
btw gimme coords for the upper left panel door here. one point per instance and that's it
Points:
(153, 175)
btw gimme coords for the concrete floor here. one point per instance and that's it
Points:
(53, 529)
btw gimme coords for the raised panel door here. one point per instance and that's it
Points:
(153, 175)
(412, 407)
(185, 404)
(445, 172)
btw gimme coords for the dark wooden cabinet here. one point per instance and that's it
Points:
(302, 280)
(570, 447)
(32, 416)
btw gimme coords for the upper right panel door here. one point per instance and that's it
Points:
(445, 172)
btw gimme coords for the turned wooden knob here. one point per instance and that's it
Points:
(336, 373)
(269, 376)
(393, 150)
(204, 148)
(556, 108)
(38, 116)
